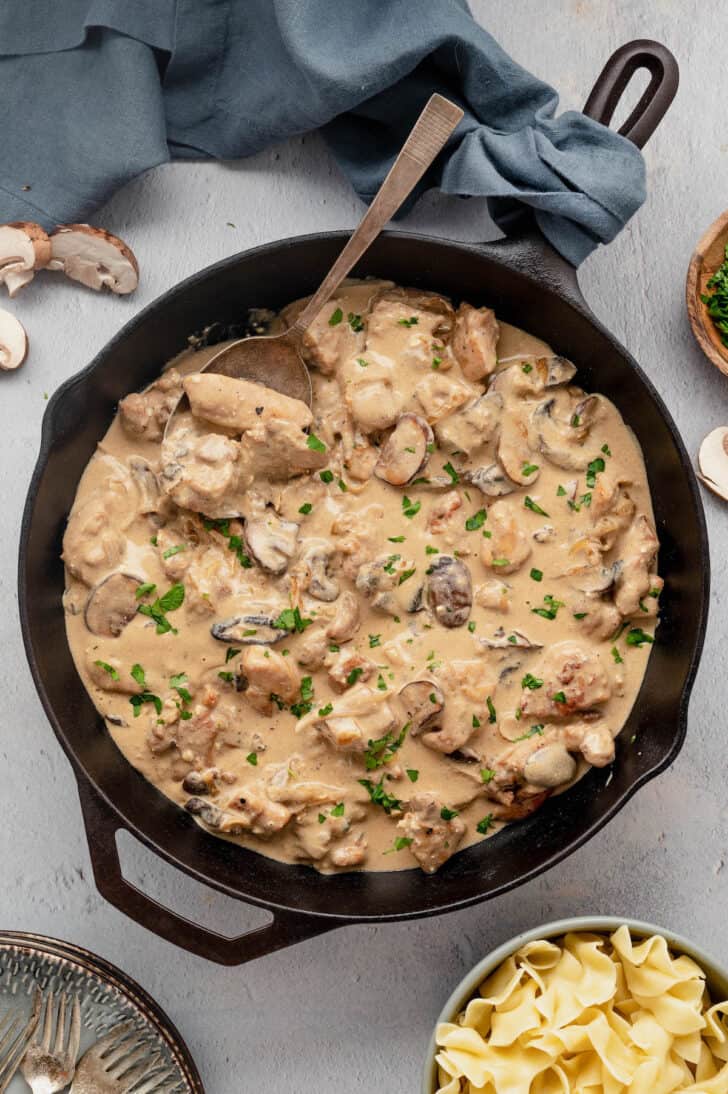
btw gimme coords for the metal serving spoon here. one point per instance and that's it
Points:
(275, 360)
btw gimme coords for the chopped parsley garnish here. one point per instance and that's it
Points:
(321, 818)
(355, 322)
(558, 697)
(654, 592)
(145, 590)
(399, 844)
(379, 796)
(528, 469)
(485, 824)
(471, 626)
(492, 716)
(551, 609)
(716, 301)
(618, 659)
(432, 550)
(396, 539)
(381, 683)
(476, 521)
(560, 493)
(476, 722)
(450, 470)
(448, 814)
(388, 566)
(380, 751)
(138, 674)
(306, 508)
(410, 508)
(575, 420)
(252, 758)
(342, 486)
(534, 731)
(173, 550)
(277, 700)
(606, 450)
(314, 443)
(405, 575)
(501, 562)
(585, 500)
(374, 640)
(643, 607)
(411, 322)
(362, 363)
(177, 683)
(527, 368)
(235, 542)
(531, 504)
(338, 810)
(595, 468)
(325, 711)
(298, 709)
(326, 475)
(153, 541)
(531, 682)
(137, 701)
(232, 652)
(413, 774)
(487, 774)
(228, 677)
(169, 602)
(436, 362)
(108, 668)
(637, 637)
(335, 318)
(536, 575)
(354, 675)
(291, 619)
(580, 615)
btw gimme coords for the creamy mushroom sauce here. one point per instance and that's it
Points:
(462, 603)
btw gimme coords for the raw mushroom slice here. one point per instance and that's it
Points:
(449, 591)
(112, 604)
(271, 541)
(24, 248)
(13, 342)
(505, 640)
(406, 450)
(491, 481)
(423, 703)
(713, 461)
(94, 257)
(256, 629)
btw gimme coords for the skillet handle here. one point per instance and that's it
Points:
(656, 98)
(102, 824)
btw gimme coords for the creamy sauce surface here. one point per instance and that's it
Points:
(506, 580)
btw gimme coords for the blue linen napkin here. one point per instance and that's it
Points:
(95, 92)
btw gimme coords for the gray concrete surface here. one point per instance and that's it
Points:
(352, 1011)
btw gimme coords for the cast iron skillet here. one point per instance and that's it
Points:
(528, 284)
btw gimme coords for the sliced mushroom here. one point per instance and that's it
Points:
(449, 591)
(24, 248)
(146, 480)
(271, 541)
(491, 481)
(423, 703)
(713, 461)
(347, 620)
(200, 783)
(514, 452)
(406, 450)
(13, 341)
(559, 428)
(550, 766)
(317, 560)
(472, 426)
(94, 257)
(220, 820)
(544, 534)
(112, 604)
(596, 580)
(505, 640)
(559, 370)
(249, 630)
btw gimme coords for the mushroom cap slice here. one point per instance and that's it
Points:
(94, 257)
(24, 248)
(491, 481)
(550, 766)
(423, 703)
(271, 541)
(13, 341)
(560, 427)
(406, 450)
(112, 604)
(449, 591)
(507, 640)
(257, 629)
(713, 461)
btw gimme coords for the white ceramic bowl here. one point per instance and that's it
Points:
(717, 975)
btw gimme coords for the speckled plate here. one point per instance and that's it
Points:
(107, 997)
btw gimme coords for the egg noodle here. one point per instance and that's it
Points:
(588, 1015)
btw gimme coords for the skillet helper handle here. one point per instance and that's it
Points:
(656, 98)
(285, 929)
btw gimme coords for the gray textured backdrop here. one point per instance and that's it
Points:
(352, 1011)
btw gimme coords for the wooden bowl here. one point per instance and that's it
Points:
(707, 257)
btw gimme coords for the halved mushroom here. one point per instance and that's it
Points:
(514, 452)
(595, 580)
(112, 604)
(491, 481)
(505, 640)
(560, 427)
(713, 461)
(257, 629)
(449, 590)
(24, 248)
(147, 483)
(559, 370)
(406, 450)
(13, 341)
(220, 820)
(94, 257)
(423, 703)
(271, 541)
(550, 766)
(347, 620)
(317, 559)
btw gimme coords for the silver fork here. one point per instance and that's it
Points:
(47, 1070)
(15, 1033)
(118, 1064)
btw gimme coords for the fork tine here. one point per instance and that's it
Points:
(115, 1061)
(110, 1039)
(46, 1021)
(10, 1032)
(60, 1027)
(74, 1037)
(10, 1063)
(152, 1086)
(134, 1053)
(143, 1064)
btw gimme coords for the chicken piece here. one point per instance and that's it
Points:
(196, 738)
(634, 580)
(360, 459)
(359, 532)
(374, 403)
(359, 715)
(145, 414)
(412, 325)
(174, 553)
(212, 575)
(573, 680)
(441, 395)
(434, 839)
(203, 472)
(314, 838)
(347, 620)
(284, 784)
(472, 426)
(514, 451)
(467, 686)
(600, 618)
(240, 405)
(474, 341)
(94, 542)
(509, 545)
(278, 449)
(350, 854)
(493, 594)
(108, 672)
(264, 673)
(253, 809)
(593, 739)
(311, 650)
(348, 668)
(611, 509)
(442, 517)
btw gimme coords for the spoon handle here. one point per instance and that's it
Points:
(429, 135)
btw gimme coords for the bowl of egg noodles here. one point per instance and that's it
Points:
(593, 1005)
